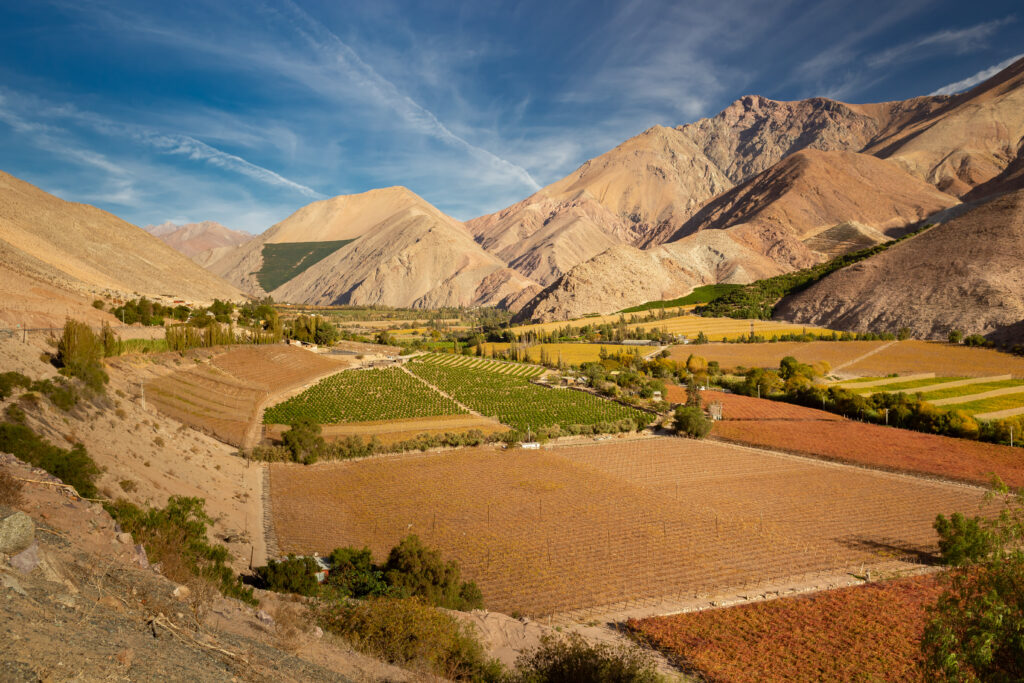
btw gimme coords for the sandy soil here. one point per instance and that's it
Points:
(149, 457)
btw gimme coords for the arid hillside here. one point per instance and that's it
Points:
(809, 207)
(634, 194)
(80, 247)
(413, 258)
(813, 194)
(388, 247)
(966, 274)
(192, 239)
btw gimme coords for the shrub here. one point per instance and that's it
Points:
(10, 489)
(415, 570)
(74, 467)
(60, 392)
(411, 633)
(353, 574)
(976, 630)
(10, 380)
(98, 304)
(304, 441)
(80, 354)
(691, 421)
(15, 413)
(574, 659)
(175, 536)
(292, 575)
(955, 336)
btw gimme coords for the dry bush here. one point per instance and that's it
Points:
(291, 624)
(10, 489)
(201, 595)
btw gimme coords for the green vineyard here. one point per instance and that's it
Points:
(363, 396)
(501, 367)
(514, 401)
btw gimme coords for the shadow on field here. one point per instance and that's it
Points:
(894, 549)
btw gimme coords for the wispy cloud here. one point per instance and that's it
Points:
(57, 140)
(957, 41)
(971, 81)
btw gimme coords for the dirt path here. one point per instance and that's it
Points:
(1000, 414)
(978, 397)
(254, 432)
(862, 358)
(954, 384)
(854, 386)
(446, 395)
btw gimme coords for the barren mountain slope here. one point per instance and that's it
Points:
(965, 274)
(969, 140)
(346, 217)
(812, 191)
(624, 276)
(754, 133)
(191, 239)
(412, 258)
(90, 249)
(637, 194)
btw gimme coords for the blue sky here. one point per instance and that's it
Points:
(242, 112)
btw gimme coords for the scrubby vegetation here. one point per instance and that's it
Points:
(411, 571)
(175, 536)
(574, 659)
(758, 299)
(976, 631)
(699, 295)
(411, 633)
(10, 489)
(74, 467)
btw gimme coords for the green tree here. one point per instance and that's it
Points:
(955, 336)
(415, 570)
(691, 421)
(304, 441)
(291, 575)
(80, 354)
(976, 631)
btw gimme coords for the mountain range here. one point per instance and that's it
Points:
(762, 188)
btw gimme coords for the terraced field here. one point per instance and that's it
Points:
(570, 528)
(491, 390)
(362, 396)
(223, 396)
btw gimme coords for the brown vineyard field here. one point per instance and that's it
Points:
(795, 429)
(886, 358)
(865, 633)
(222, 396)
(569, 528)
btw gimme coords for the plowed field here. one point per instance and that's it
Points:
(768, 355)
(866, 633)
(222, 396)
(795, 429)
(569, 528)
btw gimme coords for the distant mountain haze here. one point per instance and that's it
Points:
(192, 239)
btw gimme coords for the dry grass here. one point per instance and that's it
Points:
(10, 489)
(768, 355)
(913, 356)
(569, 528)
